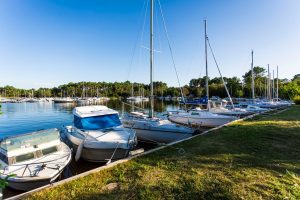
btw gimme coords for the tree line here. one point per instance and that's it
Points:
(288, 89)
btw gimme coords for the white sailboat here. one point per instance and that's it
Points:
(198, 117)
(98, 135)
(150, 128)
(63, 100)
(35, 159)
(230, 112)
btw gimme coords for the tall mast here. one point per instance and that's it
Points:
(277, 85)
(273, 86)
(151, 60)
(206, 80)
(252, 74)
(268, 82)
(266, 88)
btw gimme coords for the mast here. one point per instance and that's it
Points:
(277, 85)
(151, 60)
(206, 68)
(252, 74)
(268, 82)
(273, 86)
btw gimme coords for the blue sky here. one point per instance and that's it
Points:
(48, 43)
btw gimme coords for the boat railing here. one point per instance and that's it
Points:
(43, 165)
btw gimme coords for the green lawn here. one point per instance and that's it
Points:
(254, 159)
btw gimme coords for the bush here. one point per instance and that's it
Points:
(297, 100)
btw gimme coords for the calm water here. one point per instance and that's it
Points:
(18, 118)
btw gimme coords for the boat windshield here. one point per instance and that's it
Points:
(33, 139)
(97, 122)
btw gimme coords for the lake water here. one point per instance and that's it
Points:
(18, 118)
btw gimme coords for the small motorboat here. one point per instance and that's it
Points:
(32, 160)
(98, 134)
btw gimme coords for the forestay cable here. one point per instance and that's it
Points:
(219, 72)
(170, 48)
(141, 32)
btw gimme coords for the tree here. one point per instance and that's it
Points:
(296, 79)
(259, 81)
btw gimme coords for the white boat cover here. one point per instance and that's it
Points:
(91, 111)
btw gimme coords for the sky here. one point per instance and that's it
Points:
(49, 43)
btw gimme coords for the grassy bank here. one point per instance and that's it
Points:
(254, 159)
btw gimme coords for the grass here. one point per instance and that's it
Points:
(253, 159)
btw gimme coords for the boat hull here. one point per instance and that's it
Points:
(154, 132)
(200, 122)
(101, 155)
(97, 154)
(29, 184)
(160, 136)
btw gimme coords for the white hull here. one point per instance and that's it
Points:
(233, 113)
(160, 136)
(157, 130)
(63, 100)
(25, 181)
(200, 121)
(101, 155)
(27, 184)
(96, 149)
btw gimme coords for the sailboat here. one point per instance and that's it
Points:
(149, 128)
(198, 117)
(84, 100)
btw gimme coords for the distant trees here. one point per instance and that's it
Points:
(260, 81)
(288, 89)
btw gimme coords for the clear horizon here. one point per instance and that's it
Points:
(49, 43)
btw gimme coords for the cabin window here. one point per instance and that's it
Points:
(49, 150)
(195, 113)
(24, 157)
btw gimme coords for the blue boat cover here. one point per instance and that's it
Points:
(199, 101)
(97, 122)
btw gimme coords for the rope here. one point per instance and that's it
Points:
(134, 106)
(146, 3)
(219, 71)
(36, 163)
(180, 150)
(170, 48)
(109, 160)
